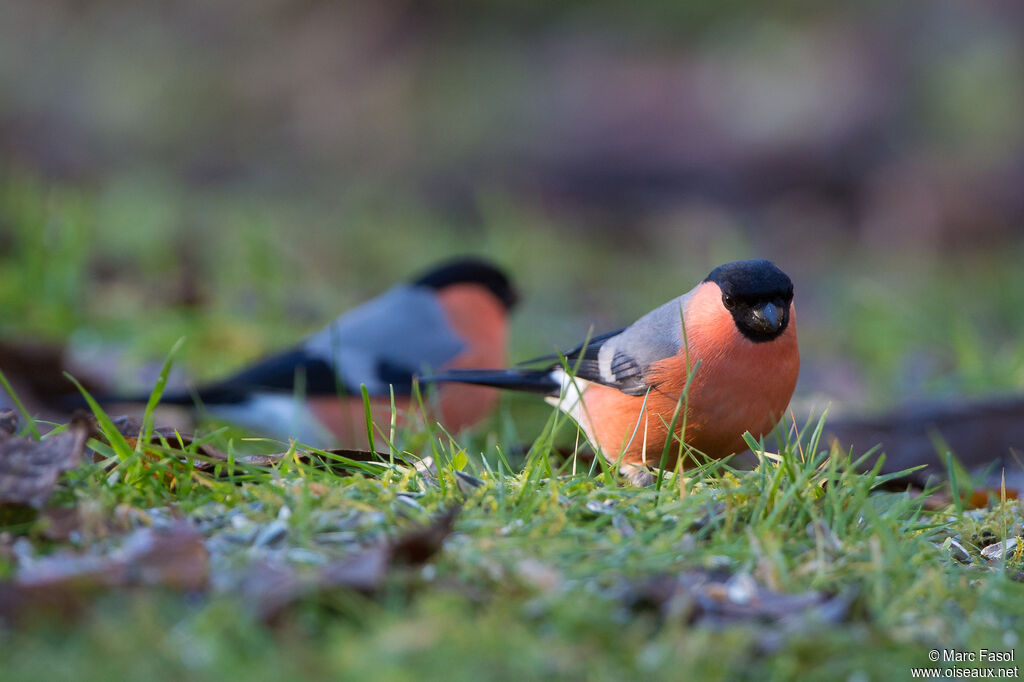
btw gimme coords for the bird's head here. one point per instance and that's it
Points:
(758, 295)
(471, 271)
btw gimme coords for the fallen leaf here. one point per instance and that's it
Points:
(419, 545)
(8, 423)
(713, 599)
(131, 428)
(29, 468)
(363, 571)
(174, 557)
(995, 552)
(340, 461)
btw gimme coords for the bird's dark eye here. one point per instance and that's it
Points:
(728, 300)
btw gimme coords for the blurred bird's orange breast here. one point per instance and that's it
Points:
(480, 320)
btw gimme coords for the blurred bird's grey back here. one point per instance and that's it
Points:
(405, 327)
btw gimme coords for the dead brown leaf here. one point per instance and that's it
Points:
(339, 466)
(29, 468)
(713, 599)
(131, 428)
(8, 423)
(417, 546)
(174, 557)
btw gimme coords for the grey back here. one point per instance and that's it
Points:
(403, 328)
(655, 336)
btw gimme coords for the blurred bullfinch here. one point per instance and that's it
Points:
(453, 316)
(733, 336)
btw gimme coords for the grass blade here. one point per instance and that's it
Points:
(21, 408)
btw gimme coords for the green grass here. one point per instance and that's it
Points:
(541, 576)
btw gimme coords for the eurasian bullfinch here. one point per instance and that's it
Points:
(453, 316)
(733, 337)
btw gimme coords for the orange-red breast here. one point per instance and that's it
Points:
(733, 336)
(454, 315)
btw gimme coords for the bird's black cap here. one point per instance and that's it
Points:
(758, 295)
(471, 271)
(752, 280)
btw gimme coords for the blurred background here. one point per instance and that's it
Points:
(239, 172)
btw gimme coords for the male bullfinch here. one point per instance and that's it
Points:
(453, 316)
(734, 333)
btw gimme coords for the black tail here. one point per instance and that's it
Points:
(529, 380)
(72, 401)
(206, 395)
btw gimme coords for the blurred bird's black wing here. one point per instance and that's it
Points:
(288, 372)
(380, 344)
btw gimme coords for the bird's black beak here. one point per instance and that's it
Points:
(766, 318)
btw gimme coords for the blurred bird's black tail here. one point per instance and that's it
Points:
(529, 380)
(73, 401)
(211, 395)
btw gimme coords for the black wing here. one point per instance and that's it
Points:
(276, 374)
(528, 380)
(626, 373)
(282, 373)
(586, 351)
